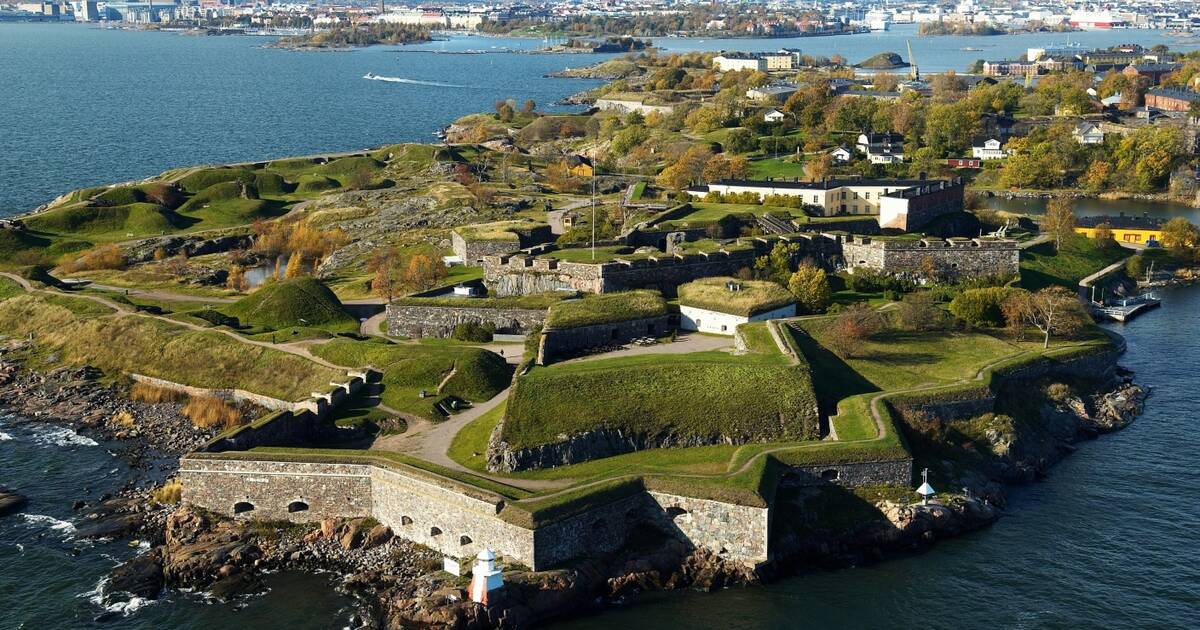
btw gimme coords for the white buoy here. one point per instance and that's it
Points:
(485, 577)
(926, 491)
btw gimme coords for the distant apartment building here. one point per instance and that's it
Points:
(729, 62)
(1171, 100)
(897, 198)
(86, 11)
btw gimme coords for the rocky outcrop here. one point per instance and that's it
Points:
(144, 250)
(11, 501)
(74, 397)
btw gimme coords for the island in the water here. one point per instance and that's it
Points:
(738, 317)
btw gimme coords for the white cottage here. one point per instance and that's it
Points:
(719, 305)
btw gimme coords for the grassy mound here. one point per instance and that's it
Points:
(106, 222)
(317, 183)
(121, 196)
(204, 178)
(1079, 258)
(272, 184)
(606, 308)
(285, 304)
(348, 165)
(713, 396)
(753, 297)
(13, 243)
(474, 374)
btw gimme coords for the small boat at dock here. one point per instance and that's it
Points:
(1125, 309)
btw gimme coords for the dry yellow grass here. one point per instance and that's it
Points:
(162, 350)
(123, 418)
(207, 412)
(168, 493)
(147, 393)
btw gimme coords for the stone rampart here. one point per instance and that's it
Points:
(473, 250)
(439, 321)
(445, 519)
(456, 523)
(559, 342)
(894, 472)
(288, 491)
(953, 258)
(734, 532)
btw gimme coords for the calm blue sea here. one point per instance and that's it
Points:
(1108, 541)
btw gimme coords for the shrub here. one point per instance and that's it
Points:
(147, 393)
(106, 256)
(169, 493)
(920, 312)
(207, 412)
(474, 332)
(1058, 392)
(123, 418)
(982, 307)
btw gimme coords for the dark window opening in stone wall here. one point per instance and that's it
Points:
(241, 507)
(675, 512)
(297, 506)
(433, 531)
(829, 475)
(404, 520)
(464, 540)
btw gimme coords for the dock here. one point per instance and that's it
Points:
(1127, 309)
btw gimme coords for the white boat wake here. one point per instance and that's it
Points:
(376, 77)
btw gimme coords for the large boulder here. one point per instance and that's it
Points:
(11, 501)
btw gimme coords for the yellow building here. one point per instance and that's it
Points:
(1134, 230)
(579, 166)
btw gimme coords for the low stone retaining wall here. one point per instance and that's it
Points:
(557, 342)
(320, 404)
(586, 446)
(897, 472)
(439, 321)
(457, 523)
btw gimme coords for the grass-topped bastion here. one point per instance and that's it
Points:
(472, 242)
(603, 319)
(576, 412)
(718, 305)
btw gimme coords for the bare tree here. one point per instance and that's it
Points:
(1053, 311)
(1059, 220)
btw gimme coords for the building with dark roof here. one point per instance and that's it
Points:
(1171, 100)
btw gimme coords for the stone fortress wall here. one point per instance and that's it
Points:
(459, 523)
(525, 274)
(439, 321)
(559, 342)
(955, 258)
(473, 250)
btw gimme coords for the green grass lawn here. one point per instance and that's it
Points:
(1041, 266)
(775, 167)
(478, 375)
(703, 394)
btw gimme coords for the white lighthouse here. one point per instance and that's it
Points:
(926, 491)
(484, 576)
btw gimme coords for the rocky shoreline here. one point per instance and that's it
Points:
(399, 584)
